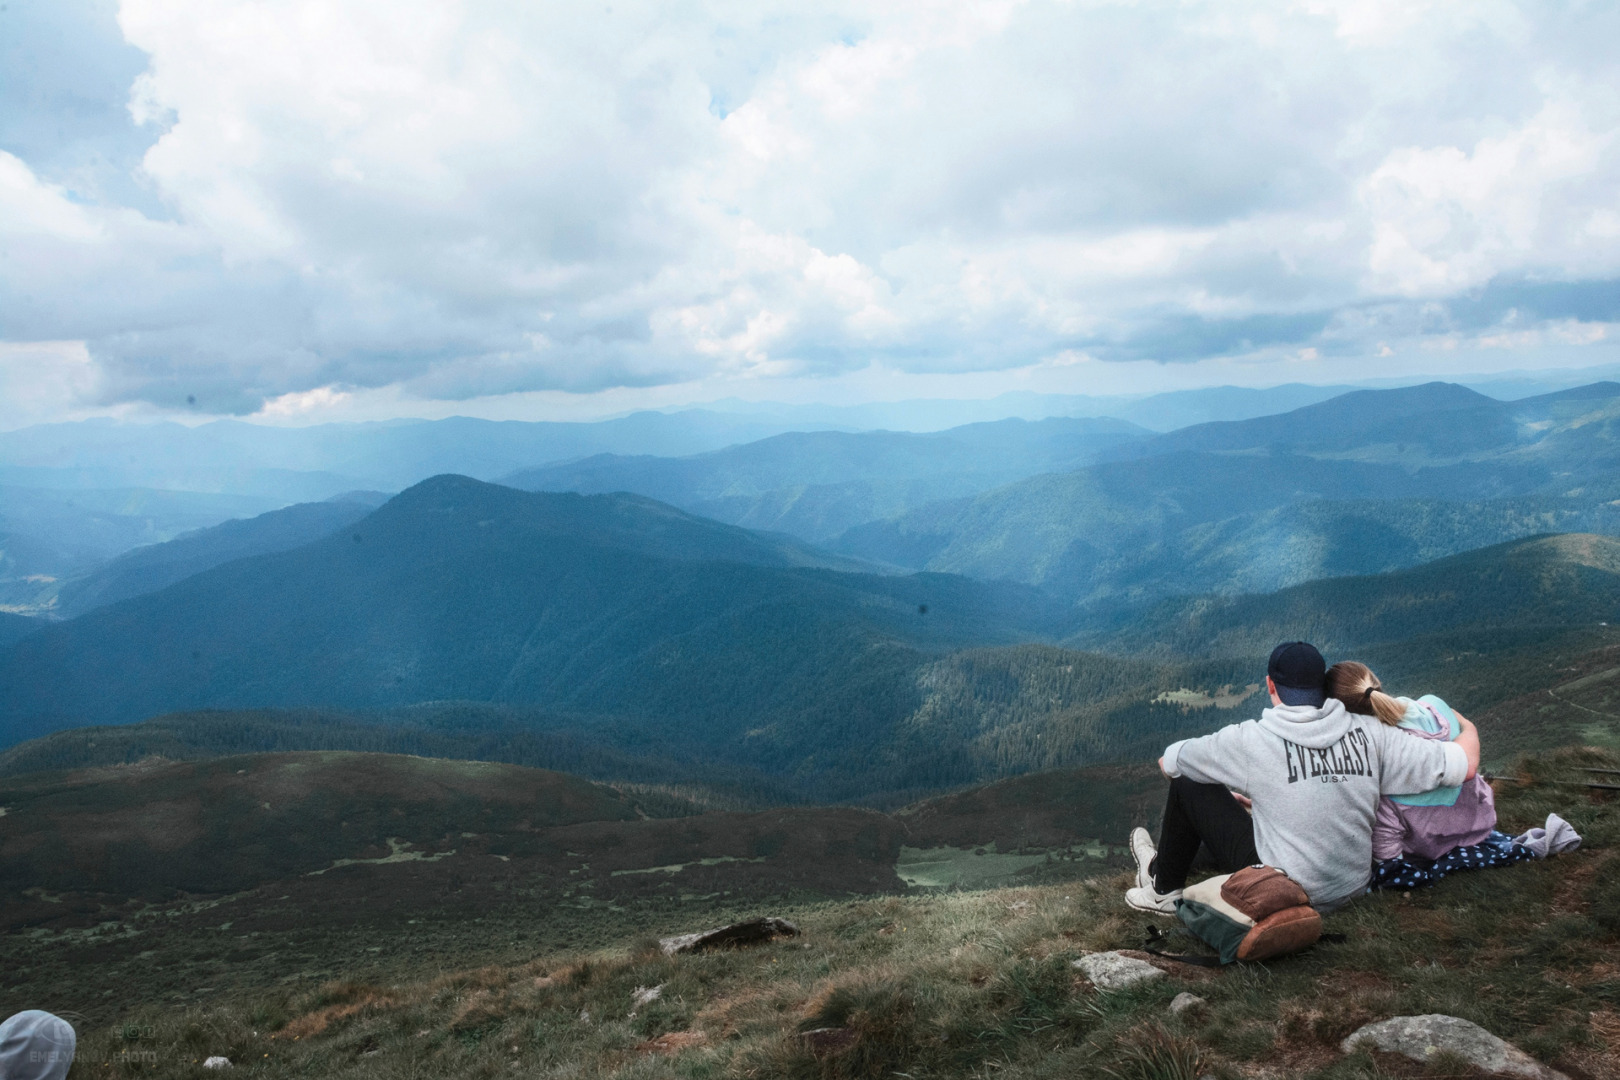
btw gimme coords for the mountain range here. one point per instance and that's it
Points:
(1092, 614)
(744, 644)
(817, 485)
(625, 638)
(1371, 481)
(1094, 510)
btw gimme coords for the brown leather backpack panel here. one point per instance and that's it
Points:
(1259, 891)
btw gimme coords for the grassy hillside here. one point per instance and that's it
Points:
(463, 731)
(1580, 705)
(816, 485)
(398, 833)
(956, 984)
(231, 823)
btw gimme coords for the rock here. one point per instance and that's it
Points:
(645, 995)
(749, 932)
(1116, 971)
(1421, 1037)
(217, 1062)
(1184, 1001)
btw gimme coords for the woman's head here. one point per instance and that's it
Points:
(1359, 689)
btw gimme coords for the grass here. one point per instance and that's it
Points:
(966, 984)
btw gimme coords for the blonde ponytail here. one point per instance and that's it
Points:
(1359, 689)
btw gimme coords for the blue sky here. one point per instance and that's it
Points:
(331, 209)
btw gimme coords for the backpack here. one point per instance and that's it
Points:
(1255, 914)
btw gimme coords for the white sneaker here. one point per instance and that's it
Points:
(1144, 851)
(1146, 898)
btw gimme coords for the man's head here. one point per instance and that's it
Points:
(1297, 674)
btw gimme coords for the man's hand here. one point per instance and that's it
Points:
(1244, 801)
(1161, 767)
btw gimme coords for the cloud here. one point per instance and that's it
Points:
(456, 200)
(44, 380)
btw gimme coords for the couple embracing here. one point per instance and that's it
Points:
(1338, 784)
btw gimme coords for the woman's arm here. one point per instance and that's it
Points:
(1469, 741)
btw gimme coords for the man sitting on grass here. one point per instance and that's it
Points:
(1310, 774)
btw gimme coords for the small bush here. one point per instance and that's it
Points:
(1155, 1054)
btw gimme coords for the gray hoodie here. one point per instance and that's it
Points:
(35, 1045)
(1315, 775)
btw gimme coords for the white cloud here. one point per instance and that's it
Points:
(1531, 200)
(451, 199)
(44, 380)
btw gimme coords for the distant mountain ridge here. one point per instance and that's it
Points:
(816, 485)
(300, 464)
(1274, 501)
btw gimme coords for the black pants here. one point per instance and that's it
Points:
(1204, 814)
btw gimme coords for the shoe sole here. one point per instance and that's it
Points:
(1149, 910)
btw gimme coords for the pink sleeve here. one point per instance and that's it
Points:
(1388, 832)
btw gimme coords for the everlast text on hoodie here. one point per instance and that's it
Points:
(1315, 775)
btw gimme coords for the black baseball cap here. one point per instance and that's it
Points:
(1299, 673)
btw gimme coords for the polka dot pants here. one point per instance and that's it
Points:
(1414, 873)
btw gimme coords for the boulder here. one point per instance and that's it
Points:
(217, 1062)
(749, 932)
(1116, 971)
(1421, 1037)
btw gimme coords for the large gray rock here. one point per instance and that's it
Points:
(737, 935)
(1421, 1037)
(1116, 971)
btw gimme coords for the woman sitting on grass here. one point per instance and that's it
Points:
(1420, 838)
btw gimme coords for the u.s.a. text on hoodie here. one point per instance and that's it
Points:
(1315, 775)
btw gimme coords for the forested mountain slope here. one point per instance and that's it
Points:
(148, 569)
(1544, 585)
(16, 627)
(730, 642)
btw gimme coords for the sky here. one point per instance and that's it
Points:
(311, 210)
